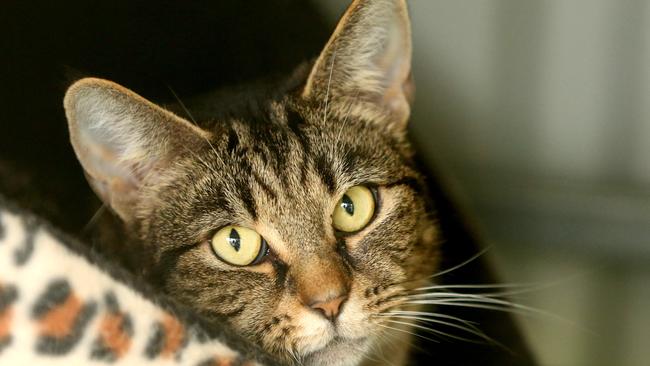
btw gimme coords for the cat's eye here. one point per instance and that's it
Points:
(354, 210)
(239, 246)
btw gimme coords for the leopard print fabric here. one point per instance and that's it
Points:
(59, 306)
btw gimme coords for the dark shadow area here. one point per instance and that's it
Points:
(145, 45)
(460, 242)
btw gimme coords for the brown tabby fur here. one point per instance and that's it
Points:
(277, 161)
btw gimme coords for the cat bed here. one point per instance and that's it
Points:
(60, 304)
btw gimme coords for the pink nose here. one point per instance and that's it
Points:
(330, 308)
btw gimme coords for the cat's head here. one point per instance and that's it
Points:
(299, 222)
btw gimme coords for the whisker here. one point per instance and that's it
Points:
(470, 260)
(375, 350)
(329, 82)
(448, 270)
(293, 355)
(187, 111)
(472, 330)
(486, 306)
(517, 288)
(201, 160)
(435, 331)
(477, 286)
(433, 315)
(408, 332)
(345, 120)
(180, 102)
(428, 319)
(453, 297)
(495, 294)
(93, 219)
(463, 304)
(391, 344)
(449, 294)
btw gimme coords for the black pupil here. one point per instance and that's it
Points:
(347, 205)
(234, 239)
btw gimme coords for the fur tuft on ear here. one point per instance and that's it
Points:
(368, 59)
(122, 140)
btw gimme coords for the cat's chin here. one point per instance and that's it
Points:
(339, 352)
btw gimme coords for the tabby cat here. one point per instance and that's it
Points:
(296, 212)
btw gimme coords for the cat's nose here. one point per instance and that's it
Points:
(323, 284)
(330, 308)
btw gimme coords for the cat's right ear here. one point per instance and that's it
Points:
(367, 64)
(123, 141)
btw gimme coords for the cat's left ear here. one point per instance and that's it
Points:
(124, 142)
(367, 62)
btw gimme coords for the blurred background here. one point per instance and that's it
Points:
(539, 111)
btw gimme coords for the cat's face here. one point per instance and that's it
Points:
(283, 178)
(299, 224)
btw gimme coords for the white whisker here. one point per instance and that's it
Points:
(469, 329)
(388, 344)
(187, 111)
(469, 303)
(495, 294)
(329, 82)
(201, 160)
(433, 315)
(477, 286)
(435, 331)
(345, 120)
(180, 102)
(408, 332)
(93, 220)
(456, 297)
(375, 350)
(470, 260)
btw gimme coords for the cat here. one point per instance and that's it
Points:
(296, 213)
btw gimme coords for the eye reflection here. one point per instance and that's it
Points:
(234, 239)
(347, 205)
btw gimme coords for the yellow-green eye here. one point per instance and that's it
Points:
(354, 210)
(238, 245)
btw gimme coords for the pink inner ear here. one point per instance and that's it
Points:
(117, 179)
(105, 162)
(114, 179)
(394, 61)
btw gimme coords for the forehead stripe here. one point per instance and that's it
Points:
(325, 172)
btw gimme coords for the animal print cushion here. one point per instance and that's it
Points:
(60, 305)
